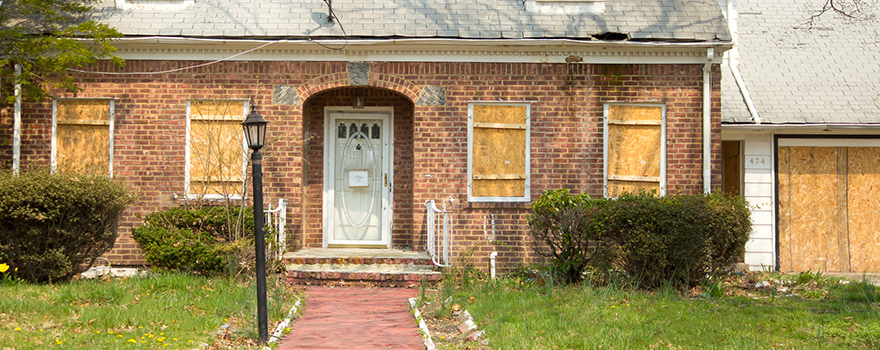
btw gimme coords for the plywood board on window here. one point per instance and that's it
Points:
(863, 181)
(499, 151)
(809, 224)
(216, 188)
(82, 110)
(498, 188)
(500, 114)
(83, 149)
(635, 113)
(634, 150)
(216, 151)
(220, 109)
(617, 188)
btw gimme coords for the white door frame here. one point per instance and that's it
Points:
(387, 116)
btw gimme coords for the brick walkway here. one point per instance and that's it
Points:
(355, 318)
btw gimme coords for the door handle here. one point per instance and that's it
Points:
(386, 180)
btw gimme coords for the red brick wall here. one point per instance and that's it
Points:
(430, 141)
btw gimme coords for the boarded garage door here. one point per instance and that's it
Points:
(829, 206)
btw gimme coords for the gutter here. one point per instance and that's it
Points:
(707, 121)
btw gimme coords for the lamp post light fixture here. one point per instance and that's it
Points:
(255, 132)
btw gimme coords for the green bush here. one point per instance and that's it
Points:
(200, 240)
(567, 232)
(54, 226)
(673, 240)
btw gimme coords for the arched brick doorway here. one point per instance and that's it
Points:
(337, 104)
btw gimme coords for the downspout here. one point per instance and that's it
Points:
(16, 124)
(492, 264)
(733, 63)
(707, 121)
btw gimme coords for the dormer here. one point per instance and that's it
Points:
(566, 7)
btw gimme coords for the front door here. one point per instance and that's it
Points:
(357, 198)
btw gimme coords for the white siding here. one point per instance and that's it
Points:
(758, 191)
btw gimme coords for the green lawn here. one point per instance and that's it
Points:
(822, 314)
(160, 311)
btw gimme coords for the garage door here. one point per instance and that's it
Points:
(829, 205)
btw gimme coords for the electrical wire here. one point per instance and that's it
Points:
(176, 69)
(331, 15)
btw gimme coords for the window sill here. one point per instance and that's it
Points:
(498, 205)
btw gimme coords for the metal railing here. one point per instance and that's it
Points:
(276, 219)
(439, 247)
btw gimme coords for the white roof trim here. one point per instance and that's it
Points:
(420, 50)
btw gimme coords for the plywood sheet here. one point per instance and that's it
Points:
(864, 208)
(617, 188)
(809, 222)
(216, 187)
(83, 110)
(500, 114)
(498, 188)
(83, 149)
(216, 151)
(634, 150)
(635, 113)
(220, 109)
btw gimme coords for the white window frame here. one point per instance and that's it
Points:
(527, 197)
(53, 158)
(187, 157)
(662, 190)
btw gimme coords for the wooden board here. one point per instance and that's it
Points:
(617, 188)
(216, 187)
(83, 149)
(809, 206)
(634, 113)
(215, 151)
(634, 150)
(500, 114)
(499, 151)
(863, 208)
(82, 110)
(219, 109)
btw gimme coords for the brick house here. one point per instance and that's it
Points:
(376, 107)
(801, 136)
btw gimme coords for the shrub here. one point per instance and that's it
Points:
(567, 232)
(673, 240)
(54, 226)
(201, 240)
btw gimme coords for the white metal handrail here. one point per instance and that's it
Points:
(277, 219)
(440, 248)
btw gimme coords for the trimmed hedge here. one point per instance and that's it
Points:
(673, 240)
(200, 240)
(55, 226)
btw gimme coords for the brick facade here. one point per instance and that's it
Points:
(430, 134)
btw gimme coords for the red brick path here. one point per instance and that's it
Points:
(355, 318)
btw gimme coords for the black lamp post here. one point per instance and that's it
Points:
(255, 132)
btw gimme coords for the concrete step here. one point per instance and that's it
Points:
(356, 256)
(360, 267)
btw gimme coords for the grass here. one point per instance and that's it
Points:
(159, 311)
(797, 312)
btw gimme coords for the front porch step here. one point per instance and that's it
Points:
(360, 267)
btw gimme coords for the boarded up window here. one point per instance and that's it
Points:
(216, 151)
(635, 152)
(83, 136)
(499, 159)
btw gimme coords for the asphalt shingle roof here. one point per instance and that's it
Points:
(829, 74)
(663, 20)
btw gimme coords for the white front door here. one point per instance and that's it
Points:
(357, 198)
